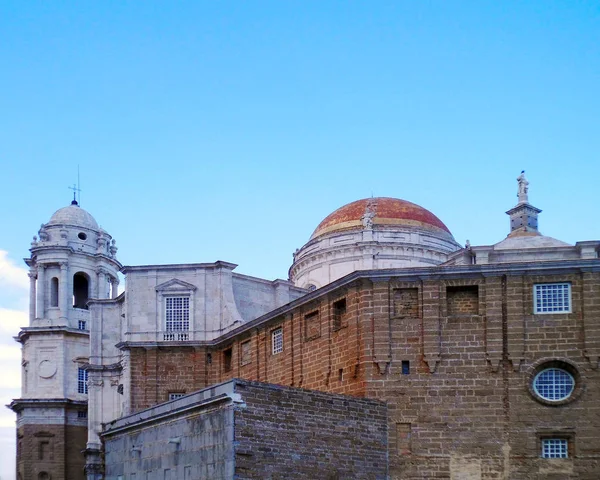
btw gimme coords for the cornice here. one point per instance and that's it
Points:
(18, 404)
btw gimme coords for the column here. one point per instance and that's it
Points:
(41, 291)
(63, 290)
(115, 287)
(32, 297)
(101, 292)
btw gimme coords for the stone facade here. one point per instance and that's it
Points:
(453, 343)
(250, 430)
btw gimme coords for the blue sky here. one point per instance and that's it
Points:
(228, 130)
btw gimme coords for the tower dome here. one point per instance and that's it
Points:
(73, 215)
(371, 233)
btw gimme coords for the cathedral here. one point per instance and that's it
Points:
(390, 352)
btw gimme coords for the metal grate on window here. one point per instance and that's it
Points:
(552, 297)
(277, 340)
(81, 325)
(555, 448)
(554, 384)
(175, 396)
(177, 314)
(82, 379)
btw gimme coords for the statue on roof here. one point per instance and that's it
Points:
(523, 188)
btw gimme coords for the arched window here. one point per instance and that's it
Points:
(81, 289)
(54, 292)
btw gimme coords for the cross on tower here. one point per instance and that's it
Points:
(76, 190)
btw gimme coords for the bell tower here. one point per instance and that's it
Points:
(72, 261)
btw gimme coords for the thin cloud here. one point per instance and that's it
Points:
(11, 321)
(11, 275)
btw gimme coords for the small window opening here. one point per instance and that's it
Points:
(54, 292)
(339, 310)
(80, 290)
(82, 414)
(277, 341)
(209, 358)
(176, 395)
(82, 236)
(555, 448)
(227, 356)
(341, 374)
(405, 367)
(81, 325)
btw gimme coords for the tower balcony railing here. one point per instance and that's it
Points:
(176, 335)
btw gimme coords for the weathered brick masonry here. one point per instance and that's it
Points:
(452, 352)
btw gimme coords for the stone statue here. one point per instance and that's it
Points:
(523, 187)
(367, 218)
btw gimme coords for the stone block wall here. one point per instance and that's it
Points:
(52, 449)
(454, 357)
(291, 433)
(250, 430)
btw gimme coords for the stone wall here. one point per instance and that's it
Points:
(249, 430)
(53, 449)
(292, 433)
(453, 355)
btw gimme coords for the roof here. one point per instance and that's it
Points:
(379, 211)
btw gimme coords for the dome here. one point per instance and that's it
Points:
(380, 212)
(73, 215)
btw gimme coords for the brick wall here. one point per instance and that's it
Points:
(156, 372)
(291, 433)
(455, 368)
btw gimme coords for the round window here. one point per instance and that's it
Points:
(554, 384)
(82, 236)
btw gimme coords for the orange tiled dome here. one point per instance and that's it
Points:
(382, 212)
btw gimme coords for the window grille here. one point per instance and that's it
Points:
(277, 340)
(555, 448)
(81, 325)
(81, 414)
(82, 379)
(177, 314)
(554, 384)
(552, 297)
(175, 396)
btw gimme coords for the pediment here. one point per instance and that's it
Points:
(175, 285)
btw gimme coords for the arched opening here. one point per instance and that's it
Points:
(54, 292)
(81, 290)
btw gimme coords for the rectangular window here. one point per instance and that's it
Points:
(277, 340)
(227, 356)
(175, 395)
(405, 367)
(552, 297)
(246, 354)
(82, 378)
(81, 325)
(81, 414)
(339, 310)
(177, 314)
(555, 448)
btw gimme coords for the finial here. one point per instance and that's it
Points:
(523, 188)
(75, 189)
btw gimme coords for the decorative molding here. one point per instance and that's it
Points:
(176, 286)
